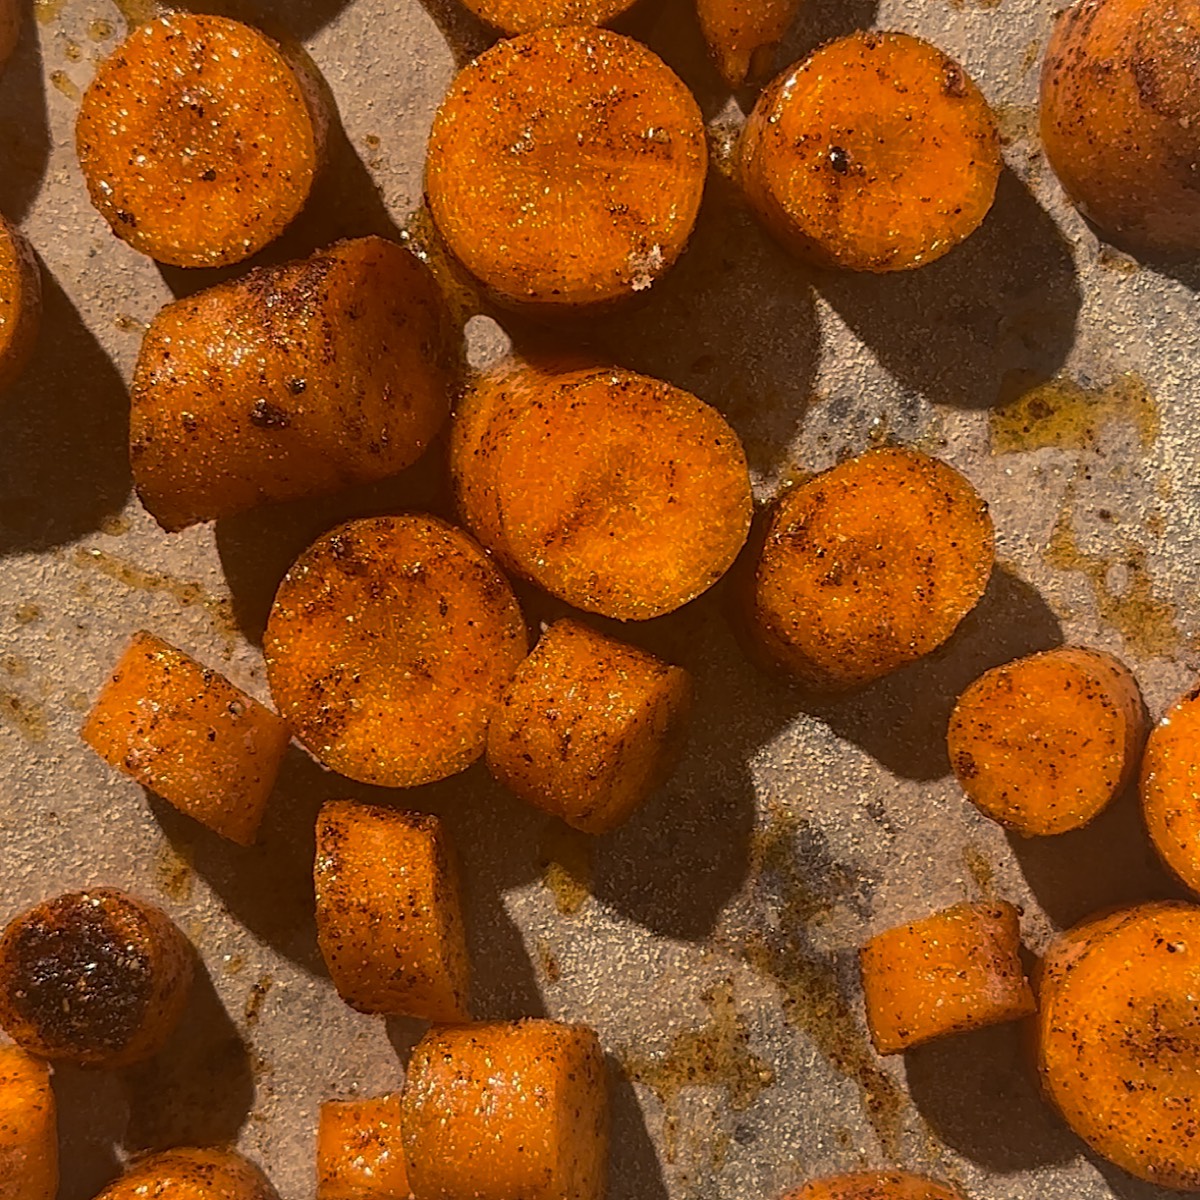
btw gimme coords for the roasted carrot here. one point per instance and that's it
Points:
(877, 153)
(957, 970)
(1118, 1050)
(742, 35)
(200, 139)
(96, 978)
(389, 918)
(588, 727)
(188, 734)
(618, 493)
(187, 1174)
(388, 646)
(869, 566)
(291, 381)
(503, 1110)
(1170, 788)
(875, 1185)
(1044, 743)
(20, 303)
(28, 1128)
(565, 167)
(522, 16)
(360, 1155)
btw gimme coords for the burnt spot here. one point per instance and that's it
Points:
(74, 974)
(839, 160)
(126, 218)
(265, 415)
(954, 81)
(964, 765)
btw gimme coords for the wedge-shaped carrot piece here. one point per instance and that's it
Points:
(875, 1185)
(957, 970)
(1170, 788)
(188, 734)
(877, 153)
(388, 646)
(566, 167)
(389, 917)
(360, 1155)
(868, 567)
(28, 1128)
(20, 303)
(291, 381)
(1044, 743)
(502, 1110)
(200, 139)
(521, 16)
(589, 727)
(1119, 1038)
(192, 1174)
(96, 978)
(618, 493)
(742, 34)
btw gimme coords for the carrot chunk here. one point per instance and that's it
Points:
(566, 167)
(742, 34)
(189, 1174)
(188, 734)
(1044, 743)
(96, 978)
(388, 646)
(200, 139)
(389, 918)
(1119, 1038)
(360, 1155)
(875, 1185)
(588, 727)
(877, 153)
(957, 970)
(522, 16)
(28, 1128)
(1170, 788)
(868, 567)
(291, 381)
(502, 1110)
(20, 303)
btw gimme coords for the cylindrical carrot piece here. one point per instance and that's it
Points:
(200, 139)
(291, 381)
(566, 167)
(875, 1185)
(20, 303)
(96, 978)
(957, 970)
(508, 1109)
(522, 16)
(1119, 1038)
(188, 1174)
(877, 153)
(360, 1154)
(588, 727)
(389, 917)
(28, 1128)
(388, 647)
(1044, 743)
(868, 567)
(742, 34)
(188, 734)
(1170, 788)
(618, 493)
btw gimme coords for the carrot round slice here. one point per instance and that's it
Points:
(869, 566)
(28, 1128)
(388, 646)
(20, 303)
(96, 978)
(877, 153)
(200, 140)
(618, 493)
(1170, 788)
(1044, 743)
(956, 970)
(742, 34)
(566, 167)
(521, 16)
(192, 1174)
(1119, 1038)
(875, 1185)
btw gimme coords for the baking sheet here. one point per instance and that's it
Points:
(711, 942)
